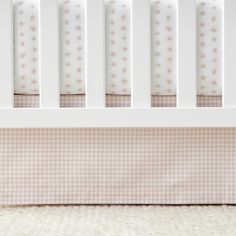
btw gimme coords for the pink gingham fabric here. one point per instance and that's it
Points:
(115, 101)
(117, 166)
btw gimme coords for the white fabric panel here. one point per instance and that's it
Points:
(163, 26)
(209, 14)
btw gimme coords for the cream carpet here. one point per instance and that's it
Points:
(118, 221)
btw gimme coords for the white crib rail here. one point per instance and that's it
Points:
(118, 117)
(6, 54)
(186, 114)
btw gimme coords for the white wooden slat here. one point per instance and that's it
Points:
(6, 54)
(49, 54)
(140, 53)
(186, 53)
(95, 53)
(229, 53)
(117, 117)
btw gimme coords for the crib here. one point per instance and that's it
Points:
(95, 114)
(117, 155)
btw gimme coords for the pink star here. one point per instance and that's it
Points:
(34, 71)
(123, 28)
(113, 54)
(214, 82)
(78, 27)
(34, 81)
(33, 28)
(22, 55)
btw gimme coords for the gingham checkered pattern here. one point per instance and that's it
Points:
(117, 166)
(209, 101)
(116, 101)
(28, 101)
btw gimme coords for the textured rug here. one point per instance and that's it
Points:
(118, 221)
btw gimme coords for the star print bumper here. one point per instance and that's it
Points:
(72, 39)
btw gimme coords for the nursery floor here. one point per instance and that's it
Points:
(118, 221)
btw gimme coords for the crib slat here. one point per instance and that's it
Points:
(229, 52)
(49, 54)
(6, 54)
(95, 53)
(140, 53)
(186, 54)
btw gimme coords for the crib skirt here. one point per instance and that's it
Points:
(117, 166)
